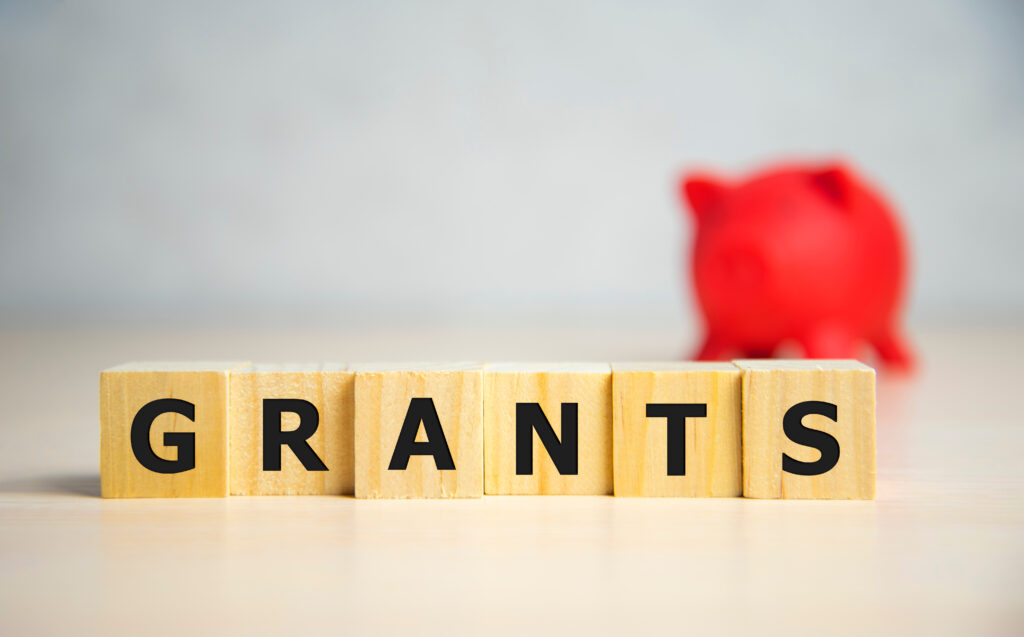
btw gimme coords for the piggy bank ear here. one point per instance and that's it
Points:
(703, 193)
(836, 183)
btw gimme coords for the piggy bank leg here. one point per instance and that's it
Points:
(829, 341)
(713, 349)
(758, 352)
(893, 350)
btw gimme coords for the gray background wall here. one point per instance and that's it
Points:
(478, 161)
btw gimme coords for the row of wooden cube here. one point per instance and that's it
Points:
(763, 429)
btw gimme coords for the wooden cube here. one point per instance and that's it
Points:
(163, 430)
(291, 430)
(548, 428)
(419, 431)
(808, 429)
(676, 429)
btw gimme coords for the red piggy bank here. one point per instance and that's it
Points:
(805, 256)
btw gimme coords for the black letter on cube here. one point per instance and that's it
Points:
(564, 453)
(676, 414)
(185, 442)
(793, 426)
(422, 410)
(274, 438)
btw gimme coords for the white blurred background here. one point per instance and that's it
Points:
(483, 162)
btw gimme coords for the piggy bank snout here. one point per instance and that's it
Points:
(737, 268)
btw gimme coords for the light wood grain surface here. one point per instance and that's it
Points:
(940, 552)
(585, 389)
(123, 392)
(769, 390)
(329, 388)
(711, 449)
(384, 398)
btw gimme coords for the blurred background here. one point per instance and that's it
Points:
(478, 163)
(354, 181)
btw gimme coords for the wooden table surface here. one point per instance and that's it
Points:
(941, 551)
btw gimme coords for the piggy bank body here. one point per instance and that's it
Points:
(808, 257)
